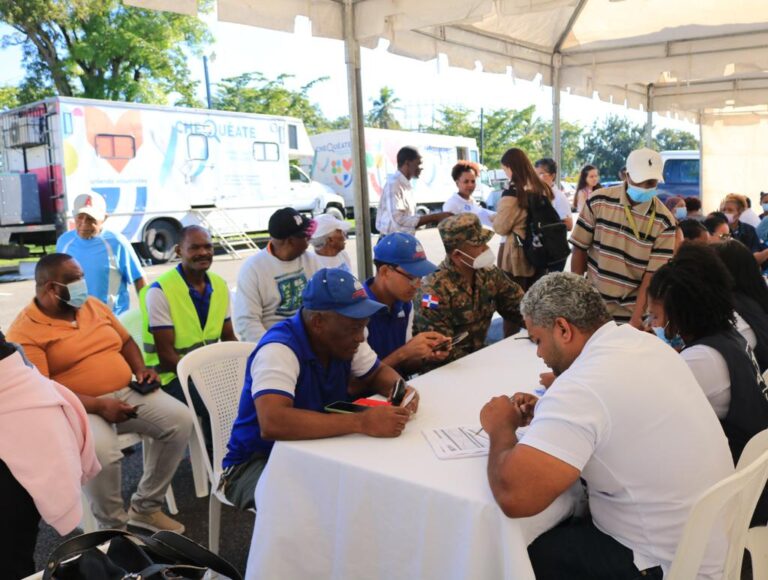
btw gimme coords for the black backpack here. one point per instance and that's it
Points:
(546, 236)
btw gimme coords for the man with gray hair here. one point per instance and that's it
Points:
(627, 416)
(329, 241)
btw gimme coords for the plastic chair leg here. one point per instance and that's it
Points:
(214, 521)
(757, 544)
(199, 473)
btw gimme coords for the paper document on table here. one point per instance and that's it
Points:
(457, 442)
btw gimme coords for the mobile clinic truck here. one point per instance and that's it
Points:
(332, 164)
(159, 168)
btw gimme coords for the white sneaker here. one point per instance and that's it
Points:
(155, 521)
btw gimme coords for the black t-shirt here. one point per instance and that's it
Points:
(747, 235)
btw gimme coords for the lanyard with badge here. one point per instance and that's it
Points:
(633, 225)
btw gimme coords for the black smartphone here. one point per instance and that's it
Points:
(146, 387)
(452, 341)
(398, 392)
(345, 407)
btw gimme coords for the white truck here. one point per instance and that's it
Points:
(332, 164)
(159, 168)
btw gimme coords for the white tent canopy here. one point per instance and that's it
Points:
(704, 60)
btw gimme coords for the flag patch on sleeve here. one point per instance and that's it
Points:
(430, 301)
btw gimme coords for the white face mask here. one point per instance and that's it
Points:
(485, 260)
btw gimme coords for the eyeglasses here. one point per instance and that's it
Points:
(724, 236)
(412, 280)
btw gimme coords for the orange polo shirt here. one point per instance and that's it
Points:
(83, 355)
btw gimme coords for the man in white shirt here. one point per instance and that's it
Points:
(397, 208)
(546, 169)
(640, 434)
(270, 283)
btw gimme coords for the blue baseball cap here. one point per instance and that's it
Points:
(339, 291)
(406, 251)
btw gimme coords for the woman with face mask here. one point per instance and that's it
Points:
(691, 298)
(762, 227)
(733, 206)
(676, 206)
(512, 215)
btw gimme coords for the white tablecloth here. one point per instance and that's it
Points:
(356, 507)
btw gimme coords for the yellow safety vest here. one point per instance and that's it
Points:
(186, 325)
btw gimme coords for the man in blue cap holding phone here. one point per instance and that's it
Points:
(401, 263)
(301, 366)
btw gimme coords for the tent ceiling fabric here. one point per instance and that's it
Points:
(615, 48)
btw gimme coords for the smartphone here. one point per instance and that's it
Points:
(133, 414)
(345, 407)
(146, 387)
(452, 341)
(398, 392)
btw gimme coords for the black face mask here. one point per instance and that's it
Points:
(6, 349)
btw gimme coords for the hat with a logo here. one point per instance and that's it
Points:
(91, 204)
(463, 228)
(327, 224)
(287, 223)
(644, 164)
(404, 250)
(339, 291)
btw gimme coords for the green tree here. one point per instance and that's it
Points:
(255, 93)
(104, 50)
(570, 144)
(9, 97)
(675, 140)
(607, 145)
(382, 114)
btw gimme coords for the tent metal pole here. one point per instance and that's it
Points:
(357, 132)
(649, 120)
(556, 135)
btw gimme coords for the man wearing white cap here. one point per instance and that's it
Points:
(329, 241)
(107, 258)
(623, 235)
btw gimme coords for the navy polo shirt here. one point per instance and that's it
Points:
(202, 301)
(388, 327)
(316, 387)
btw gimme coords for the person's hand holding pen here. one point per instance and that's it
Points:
(505, 413)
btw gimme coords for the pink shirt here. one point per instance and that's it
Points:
(45, 441)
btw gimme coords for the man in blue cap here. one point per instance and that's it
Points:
(300, 366)
(401, 263)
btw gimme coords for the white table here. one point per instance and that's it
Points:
(357, 507)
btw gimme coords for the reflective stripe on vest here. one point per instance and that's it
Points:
(186, 324)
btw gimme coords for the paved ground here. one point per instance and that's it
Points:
(236, 526)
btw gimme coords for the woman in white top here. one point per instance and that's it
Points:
(589, 180)
(329, 241)
(690, 297)
(465, 174)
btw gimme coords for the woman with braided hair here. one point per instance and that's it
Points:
(690, 298)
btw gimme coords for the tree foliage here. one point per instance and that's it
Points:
(103, 50)
(505, 128)
(382, 114)
(606, 145)
(674, 140)
(255, 93)
(9, 97)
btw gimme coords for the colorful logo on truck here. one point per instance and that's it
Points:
(117, 142)
(341, 171)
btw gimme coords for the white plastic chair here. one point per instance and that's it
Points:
(132, 321)
(218, 372)
(739, 494)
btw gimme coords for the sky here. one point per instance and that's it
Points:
(422, 87)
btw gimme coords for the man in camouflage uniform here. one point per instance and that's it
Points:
(467, 288)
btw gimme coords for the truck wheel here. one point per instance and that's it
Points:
(335, 212)
(160, 238)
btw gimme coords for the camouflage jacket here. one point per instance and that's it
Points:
(447, 305)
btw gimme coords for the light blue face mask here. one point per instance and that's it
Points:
(765, 206)
(681, 213)
(675, 342)
(78, 293)
(639, 194)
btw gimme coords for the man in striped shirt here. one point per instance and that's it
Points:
(623, 235)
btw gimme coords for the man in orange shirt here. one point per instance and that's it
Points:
(77, 341)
